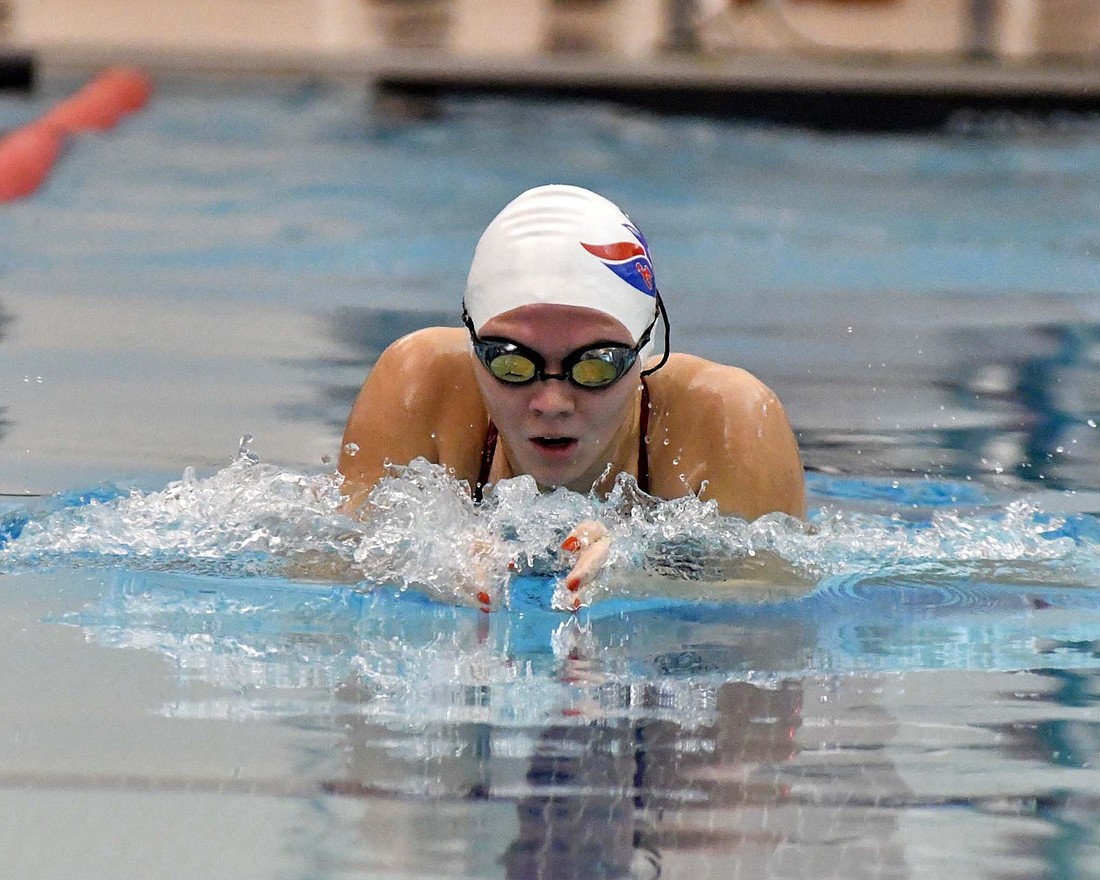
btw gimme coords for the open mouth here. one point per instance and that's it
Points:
(554, 442)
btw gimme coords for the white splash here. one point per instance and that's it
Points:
(420, 528)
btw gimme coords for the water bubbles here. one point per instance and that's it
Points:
(1091, 423)
(351, 449)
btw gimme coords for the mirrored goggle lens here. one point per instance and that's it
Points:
(512, 368)
(595, 372)
(595, 368)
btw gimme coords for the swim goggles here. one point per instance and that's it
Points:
(592, 367)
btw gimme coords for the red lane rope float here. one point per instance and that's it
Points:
(28, 154)
(26, 157)
(130, 87)
(104, 100)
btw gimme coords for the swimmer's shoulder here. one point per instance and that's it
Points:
(420, 400)
(430, 347)
(729, 429)
(428, 366)
(695, 385)
(425, 382)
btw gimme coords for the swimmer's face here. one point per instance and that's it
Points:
(560, 434)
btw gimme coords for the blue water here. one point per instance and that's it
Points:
(200, 640)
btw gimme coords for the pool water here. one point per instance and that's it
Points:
(210, 671)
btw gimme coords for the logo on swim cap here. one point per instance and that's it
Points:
(627, 259)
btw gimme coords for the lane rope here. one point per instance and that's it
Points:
(29, 153)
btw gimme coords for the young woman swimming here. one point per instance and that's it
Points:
(552, 377)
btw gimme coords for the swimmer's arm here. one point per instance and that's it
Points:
(402, 409)
(757, 577)
(761, 576)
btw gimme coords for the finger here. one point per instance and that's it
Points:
(480, 583)
(589, 562)
(584, 534)
(578, 582)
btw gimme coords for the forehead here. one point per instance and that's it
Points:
(570, 326)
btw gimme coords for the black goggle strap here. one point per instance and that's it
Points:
(649, 329)
(468, 321)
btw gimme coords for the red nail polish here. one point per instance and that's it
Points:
(483, 598)
(577, 604)
(573, 584)
(571, 544)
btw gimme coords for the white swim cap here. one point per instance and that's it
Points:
(562, 245)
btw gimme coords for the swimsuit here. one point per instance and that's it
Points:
(490, 448)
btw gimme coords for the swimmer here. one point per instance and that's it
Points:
(552, 376)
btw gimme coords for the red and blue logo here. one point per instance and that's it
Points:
(627, 259)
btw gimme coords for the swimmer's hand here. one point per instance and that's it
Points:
(591, 543)
(483, 581)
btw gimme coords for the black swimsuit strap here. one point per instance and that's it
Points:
(488, 451)
(643, 446)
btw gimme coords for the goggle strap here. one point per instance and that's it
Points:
(665, 354)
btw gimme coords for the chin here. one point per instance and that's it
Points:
(553, 478)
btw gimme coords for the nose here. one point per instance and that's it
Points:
(552, 397)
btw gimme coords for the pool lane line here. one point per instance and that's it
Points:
(28, 154)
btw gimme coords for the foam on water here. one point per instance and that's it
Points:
(424, 532)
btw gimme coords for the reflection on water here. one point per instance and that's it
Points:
(526, 745)
(1007, 403)
(1061, 392)
(826, 733)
